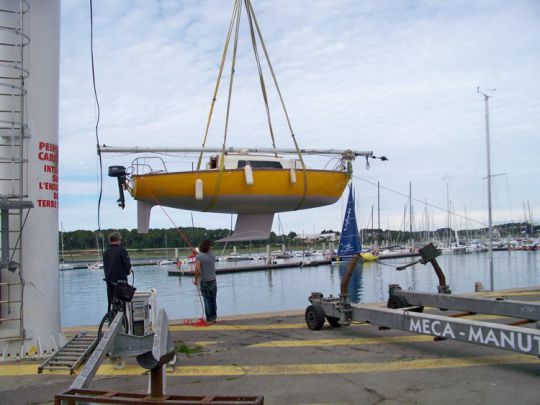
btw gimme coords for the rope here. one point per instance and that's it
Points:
(419, 201)
(182, 235)
(200, 321)
(199, 293)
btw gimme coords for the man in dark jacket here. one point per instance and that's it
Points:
(116, 263)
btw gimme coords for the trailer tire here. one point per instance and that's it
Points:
(334, 322)
(315, 317)
(396, 302)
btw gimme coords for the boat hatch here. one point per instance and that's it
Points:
(260, 164)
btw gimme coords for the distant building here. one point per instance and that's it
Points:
(326, 236)
(329, 236)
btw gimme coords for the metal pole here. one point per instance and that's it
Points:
(156, 383)
(5, 235)
(490, 223)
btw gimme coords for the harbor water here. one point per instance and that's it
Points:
(83, 296)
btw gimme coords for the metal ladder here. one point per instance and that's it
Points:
(72, 355)
(14, 133)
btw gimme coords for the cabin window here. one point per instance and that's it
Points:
(260, 164)
(213, 162)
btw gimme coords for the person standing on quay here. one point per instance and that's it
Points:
(116, 264)
(205, 276)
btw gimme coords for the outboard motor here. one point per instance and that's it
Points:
(120, 173)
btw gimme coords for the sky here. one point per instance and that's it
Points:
(398, 78)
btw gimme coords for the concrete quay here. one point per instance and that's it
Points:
(277, 356)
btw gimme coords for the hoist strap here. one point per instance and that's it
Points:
(235, 14)
(261, 77)
(267, 57)
(219, 180)
(254, 26)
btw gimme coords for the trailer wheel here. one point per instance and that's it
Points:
(314, 317)
(334, 322)
(396, 302)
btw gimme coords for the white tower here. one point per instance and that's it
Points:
(29, 83)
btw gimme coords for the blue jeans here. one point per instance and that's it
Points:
(209, 294)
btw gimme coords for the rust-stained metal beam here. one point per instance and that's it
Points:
(73, 396)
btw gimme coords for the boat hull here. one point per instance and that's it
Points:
(272, 190)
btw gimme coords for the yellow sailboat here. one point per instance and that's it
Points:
(247, 189)
(251, 183)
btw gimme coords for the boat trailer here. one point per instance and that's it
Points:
(405, 312)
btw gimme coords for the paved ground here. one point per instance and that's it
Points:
(278, 357)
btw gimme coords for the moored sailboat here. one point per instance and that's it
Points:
(350, 242)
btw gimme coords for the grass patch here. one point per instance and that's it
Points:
(188, 350)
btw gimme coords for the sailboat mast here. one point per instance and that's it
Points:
(447, 214)
(378, 212)
(411, 215)
(62, 240)
(490, 222)
(372, 229)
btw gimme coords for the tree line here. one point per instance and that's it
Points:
(190, 237)
(158, 238)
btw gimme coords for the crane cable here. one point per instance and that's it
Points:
(98, 116)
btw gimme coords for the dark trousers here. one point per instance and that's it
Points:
(209, 294)
(110, 294)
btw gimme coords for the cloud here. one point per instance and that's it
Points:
(398, 78)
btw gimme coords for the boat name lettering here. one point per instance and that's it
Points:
(504, 339)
